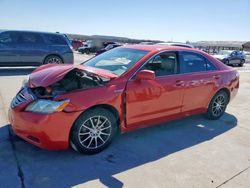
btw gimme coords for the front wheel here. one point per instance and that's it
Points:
(242, 63)
(217, 105)
(87, 51)
(227, 62)
(93, 131)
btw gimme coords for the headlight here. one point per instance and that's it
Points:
(46, 106)
(25, 81)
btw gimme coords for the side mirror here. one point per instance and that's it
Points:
(145, 75)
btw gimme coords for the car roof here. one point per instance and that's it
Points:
(158, 48)
(40, 32)
(175, 43)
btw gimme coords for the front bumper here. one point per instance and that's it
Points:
(48, 131)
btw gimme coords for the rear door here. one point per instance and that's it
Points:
(148, 101)
(31, 48)
(8, 52)
(200, 79)
(57, 44)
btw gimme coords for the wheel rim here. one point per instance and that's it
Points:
(219, 105)
(54, 60)
(94, 132)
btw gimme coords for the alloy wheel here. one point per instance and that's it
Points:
(95, 132)
(219, 105)
(54, 60)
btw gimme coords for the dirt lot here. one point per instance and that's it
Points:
(193, 152)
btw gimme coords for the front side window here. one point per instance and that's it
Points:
(234, 53)
(116, 61)
(5, 38)
(193, 62)
(163, 64)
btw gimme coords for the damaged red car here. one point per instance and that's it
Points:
(121, 90)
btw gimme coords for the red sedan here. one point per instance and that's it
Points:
(124, 89)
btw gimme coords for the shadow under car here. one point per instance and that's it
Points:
(68, 168)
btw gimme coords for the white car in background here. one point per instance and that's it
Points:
(246, 52)
(175, 44)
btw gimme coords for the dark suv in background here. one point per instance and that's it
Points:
(19, 48)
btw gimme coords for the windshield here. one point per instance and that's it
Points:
(117, 61)
(224, 52)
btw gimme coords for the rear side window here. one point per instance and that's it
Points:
(29, 38)
(55, 39)
(193, 62)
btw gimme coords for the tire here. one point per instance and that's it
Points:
(93, 131)
(53, 59)
(242, 63)
(87, 51)
(217, 105)
(227, 62)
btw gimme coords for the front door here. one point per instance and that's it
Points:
(234, 59)
(150, 100)
(31, 48)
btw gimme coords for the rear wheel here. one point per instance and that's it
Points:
(53, 59)
(93, 131)
(217, 105)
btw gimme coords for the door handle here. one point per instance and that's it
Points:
(216, 76)
(179, 83)
(194, 83)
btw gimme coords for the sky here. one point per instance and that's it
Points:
(167, 20)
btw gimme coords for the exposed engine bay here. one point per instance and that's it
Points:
(74, 80)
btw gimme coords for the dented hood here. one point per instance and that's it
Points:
(48, 74)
